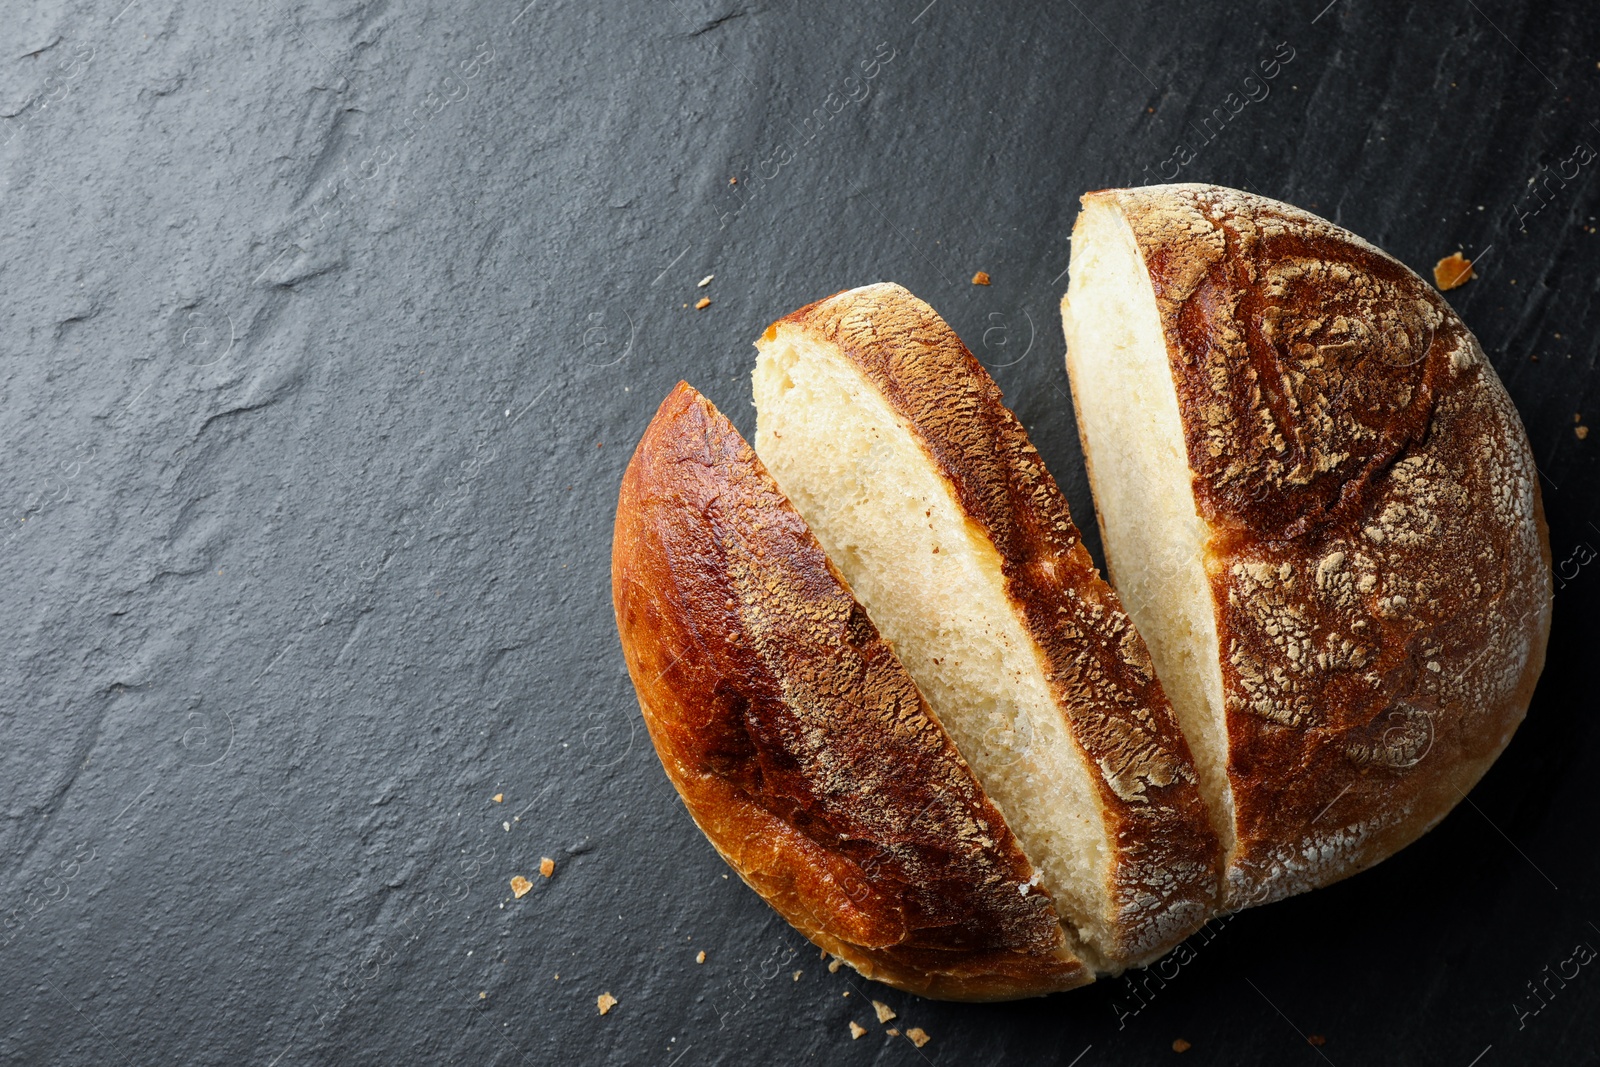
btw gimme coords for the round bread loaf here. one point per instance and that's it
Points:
(1321, 516)
(1321, 511)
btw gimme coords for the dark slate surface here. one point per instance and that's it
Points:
(327, 330)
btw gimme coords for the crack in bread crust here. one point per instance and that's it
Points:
(797, 740)
(1164, 876)
(1378, 560)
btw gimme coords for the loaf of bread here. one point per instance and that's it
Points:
(1321, 511)
(894, 692)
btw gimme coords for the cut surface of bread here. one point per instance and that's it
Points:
(1322, 512)
(1155, 542)
(894, 444)
(797, 740)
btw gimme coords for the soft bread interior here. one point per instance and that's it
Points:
(932, 583)
(1133, 442)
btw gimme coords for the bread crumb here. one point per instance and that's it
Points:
(1316, 1039)
(483, 995)
(703, 282)
(857, 1031)
(547, 866)
(797, 976)
(833, 966)
(1453, 271)
(733, 181)
(703, 303)
(1181, 1045)
(892, 1032)
(1581, 431)
(499, 798)
(918, 1036)
(606, 1002)
(520, 887)
(701, 956)
(980, 278)
(885, 1013)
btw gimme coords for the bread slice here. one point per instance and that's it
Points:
(924, 490)
(797, 740)
(1321, 511)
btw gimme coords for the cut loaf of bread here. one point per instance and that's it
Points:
(797, 740)
(893, 442)
(1321, 511)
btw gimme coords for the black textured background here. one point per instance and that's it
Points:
(326, 332)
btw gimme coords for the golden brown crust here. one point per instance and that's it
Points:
(1164, 880)
(1379, 559)
(796, 738)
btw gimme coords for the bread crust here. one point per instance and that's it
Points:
(798, 742)
(1378, 557)
(1164, 879)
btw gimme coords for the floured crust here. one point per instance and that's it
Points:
(797, 740)
(1378, 554)
(1164, 879)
